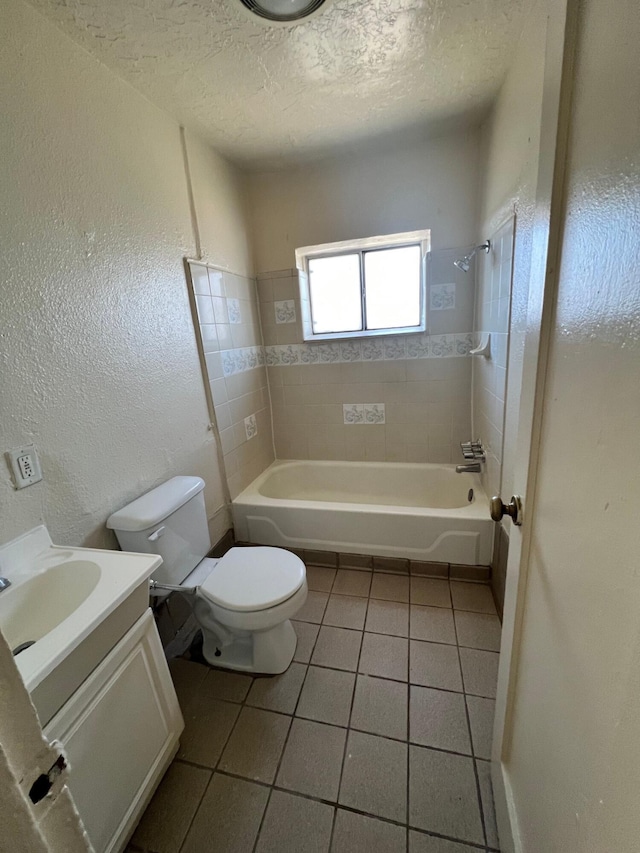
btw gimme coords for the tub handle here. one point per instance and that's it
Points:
(513, 509)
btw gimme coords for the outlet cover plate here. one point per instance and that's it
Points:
(24, 465)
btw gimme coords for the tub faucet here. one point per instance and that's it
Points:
(5, 583)
(471, 468)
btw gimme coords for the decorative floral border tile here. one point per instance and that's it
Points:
(374, 413)
(353, 413)
(241, 359)
(285, 311)
(442, 297)
(233, 310)
(250, 427)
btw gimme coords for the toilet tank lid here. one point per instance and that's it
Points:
(156, 505)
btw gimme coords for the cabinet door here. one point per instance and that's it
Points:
(119, 730)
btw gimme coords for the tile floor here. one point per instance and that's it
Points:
(376, 739)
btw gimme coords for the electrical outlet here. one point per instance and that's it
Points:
(25, 466)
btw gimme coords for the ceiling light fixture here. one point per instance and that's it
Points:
(283, 11)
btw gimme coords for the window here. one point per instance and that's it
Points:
(363, 287)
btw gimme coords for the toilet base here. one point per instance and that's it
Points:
(262, 652)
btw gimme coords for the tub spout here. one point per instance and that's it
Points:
(471, 468)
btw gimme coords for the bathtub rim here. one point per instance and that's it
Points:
(250, 496)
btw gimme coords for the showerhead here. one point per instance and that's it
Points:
(465, 263)
(462, 264)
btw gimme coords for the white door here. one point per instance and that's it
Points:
(33, 821)
(566, 763)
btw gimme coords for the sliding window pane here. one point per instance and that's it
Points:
(392, 287)
(334, 286)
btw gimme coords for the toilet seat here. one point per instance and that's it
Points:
(251, 579)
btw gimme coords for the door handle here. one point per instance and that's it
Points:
(513, 509)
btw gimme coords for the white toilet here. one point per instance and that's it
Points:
(243, 601)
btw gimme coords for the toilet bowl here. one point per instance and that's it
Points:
(244, 606)
(243, 601)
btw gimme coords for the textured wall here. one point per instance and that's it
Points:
(99, 362)
(432, 185)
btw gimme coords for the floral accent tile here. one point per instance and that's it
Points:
(329, 353)
(463, 343)
(372, 350)
(353, 413)
(350, 351)
(289, 354)
(250, 427)
(233, 309)
(418, 346)
(228, 363)
(443, 297)
(394, 348)
(374, 413)
(443, 346)
(285, 311)
(309, 353)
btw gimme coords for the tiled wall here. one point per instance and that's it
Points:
(493, 306)
(229, 326)
(396, 398)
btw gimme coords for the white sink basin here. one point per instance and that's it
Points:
(30, 610)
(58, 596)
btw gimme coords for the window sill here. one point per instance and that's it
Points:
(368, 333)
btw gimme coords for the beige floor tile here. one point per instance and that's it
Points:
(442, 794)
(390, 587)
(230, 813)
(421, 843)
(256, 744)
(307, 634)
(278, 692)
(434, 665)
(480, 672)
(380, 707)
(320, 579)
(388, 617)
(338, 648)
(313, 608)
(312, 759)
(384, 656)
(481, 713)
(295, 825)
(187, 677)
(472, 596)
(375, 776)
(434, 624)
(207, 725)
(478, 630)
(168, 816)
(438, 718)
(352, 582)
(430, 591)
(326, 696)
(486, 797)
(231, 686)
(355, 833)
(345, 611)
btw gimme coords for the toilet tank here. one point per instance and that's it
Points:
(170, 520)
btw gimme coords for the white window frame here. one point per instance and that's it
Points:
(351, 247)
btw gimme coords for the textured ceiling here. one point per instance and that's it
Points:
(360, 70)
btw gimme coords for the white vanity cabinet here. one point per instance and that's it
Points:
(120, 730)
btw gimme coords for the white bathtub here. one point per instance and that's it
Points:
(420, 512)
